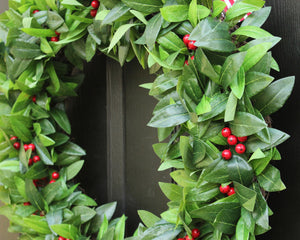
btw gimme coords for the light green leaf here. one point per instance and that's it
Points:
(74, 169)
(175, 13)
(230, 108)
(144, 6)
(148, 218)
(172, 191)
(204, 106)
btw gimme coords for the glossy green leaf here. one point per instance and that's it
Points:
(33, 195)
(257, 18)
(148, 218)
(169, 116)
(244, 7)
(274, 96)
(172, 42)
(25, 50)
(37, 224)
(245, 124)
(230, 108)
(240, 171)
(118, 11)
(246, 196)
(164, 83)
(270, 180)
(74, 169)
(182, 178)
(218, 7)
(204, 106)
(252, 32)
(256, 82)
(152, 30)
(175, 13)
(231, 67)
(242, 233)
(238, 84)
(203, 193)
(42, 152)
(65, 230)
(85, 213)
(61, 119)
(172, 191)
(212, 35)
(21, 125)
(120, 229)
(144, 6)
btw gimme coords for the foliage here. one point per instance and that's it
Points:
(226, 82)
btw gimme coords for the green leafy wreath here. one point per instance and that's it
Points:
(215, 94)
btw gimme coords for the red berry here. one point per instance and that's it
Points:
(35, 11)
(226, 132)
(192, 57)
(55, 175)
(225, 189)
(57, 33)
(52, 181)
(36, 159)
(31, 146)
(61, 238)
(34, 99)
(231, 192)
(240, 148)
(13, 138)
(186, 62)
(188, 238)
(186, 39)
(25, 147)
(226, 154)
(232, 140)
(192, 46)
(195, 233)
(95, 4)
(17, 145)
(93, 12)
(35, 182)
(243, 139)
(54, 39)
(180, 238)
(30, 162)
(26, 203)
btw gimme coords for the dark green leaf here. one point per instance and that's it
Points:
(42, 152)
(274, 96)
(270, 180)
(245, 124)
(246, 196)
(152, 30)
(61, 119)
(118, 11)
(145, 6)
(33, 195)
(21, 125)
(256, 82)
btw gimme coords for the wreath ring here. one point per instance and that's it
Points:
(214, 90)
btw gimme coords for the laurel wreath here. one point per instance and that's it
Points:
(214, 92)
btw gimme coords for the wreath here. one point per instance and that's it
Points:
(214, 91)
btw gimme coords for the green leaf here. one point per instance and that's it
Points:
(204, 66)
(37, 224)
(46, 141)
(90, 48)
(238, 84)
(245, 124)
(164, 82)
(74, 169)
(172, 42)
(274, 96)
(152, 30)
(257, 18)
(218, 7)
(240, 171)
(65, 230)
(119, 34)
(277, 137)
(182, 178)
(85, 213)
(217, 172)
(231, 67)
(148, 218)
(103, 228)
(270, 180)
(252, 32)
(72, 149)
(242, 233)
(61, 119)
(193, 13)
(175, 13)
(169, 116)
(42, 152)
(118, 11)
(243, 7)
(230, 108)
(120, 229)
(203, 193)
(25, 50)
(139, 16)
(144, 6)
(204, 106)
(172, 191)
(218, 105)
(21, 125)
(84, 200)
(246, 196)
(256, 82)
(33, 195)
(255, 53)
(212, 35)
(37, 32)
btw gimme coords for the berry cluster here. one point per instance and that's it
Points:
(227, 190)
(195, 234)
(62, 238)
(95, 4)
(55, 38)
(190, 45)
(233, 140)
